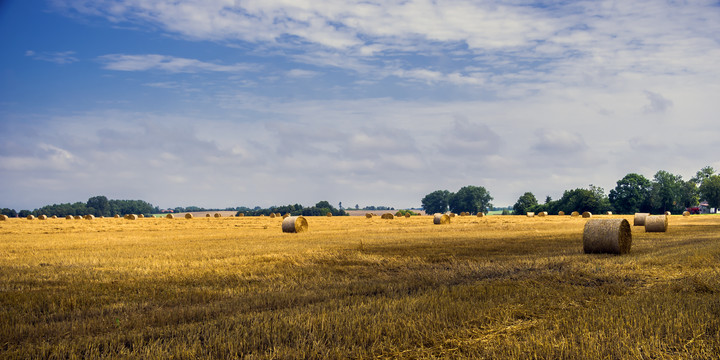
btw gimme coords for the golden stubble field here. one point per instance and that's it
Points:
(351, 287)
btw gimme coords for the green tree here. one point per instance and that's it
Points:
(100, 204)
(472, 199)
(703, 174)
(710, 191)
(631, 195)
(581, 200)
(526, 202)
(436, 201)
(666, 192)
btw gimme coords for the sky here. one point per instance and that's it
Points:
(222, 103)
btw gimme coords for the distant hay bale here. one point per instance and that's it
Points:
(610, 236)
(69, 217)
(54, 217)
(481, 214)
(368, 215)
(241, 214)
(89, 217)
(530, 214)
(441, 219)
(561, 213)
(272, 215)
(407, 214)
(686, 213)
(575, 214)
(78, 217)
(262, 215)
(294, 224)
(452, 214)
(542, 214)
(668, 213)
(141, 216)
(169, 216)
(133, 216)
(42, 217)
(587, 214)
(188, 216)
(398, 214)
(31, 217)
(286, 215)
(388, 216)
(207, 215)
(217, 215)
(329, 214)
(639, 219)
(3, 217)
(608, 213)
(117, 216)
(656, 223)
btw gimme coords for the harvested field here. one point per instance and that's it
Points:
(353, 287)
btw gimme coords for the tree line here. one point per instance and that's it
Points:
(96, 205)
(322, 208)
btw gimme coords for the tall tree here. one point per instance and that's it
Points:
(472, 199)
(100, 204)
(703, 174)
(666, 192)
(525, 203)
(436, 201)
(631, 195)
(710, 191)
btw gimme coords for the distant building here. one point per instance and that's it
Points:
(706, 209)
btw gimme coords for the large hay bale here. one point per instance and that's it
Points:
(31, 217)
(388, 216)
(587, 214)
(89, 217)
(656, 223)
(686, 213)
(530, 214)
(42, 217)
(217, 215)
(133, 216)
(294, 224)
(3, 217)
(561, 213)
(188, 216)
(169, 216)
(575, 214)
(639, 219)
(611, 236)
(368, 215)
(441, 219)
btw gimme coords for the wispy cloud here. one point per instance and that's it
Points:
(122, 62)
(58, 57)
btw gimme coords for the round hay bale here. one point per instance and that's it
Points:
(609, 236)
(217, 215)
(286, 215)
(294, 224)
(656, 223)
(272, 215)
(241, 214)
(54, 217)
(69, 217)
(141, 216)
(262, 215)
(117, 216)
(368, 216)
(169, 216)
(133, 216)
(441, 219)
(686, 213)
(89, 217)
(639, 219)
(387, 216)
(398, 214)
(207, 215)
(78, 217)
(530, 214)
(329, 214)
(587, 214)
(452, 214)
(3, 217)
(407, 215)
(31, 217)
(42, 217)
(188, 216)
(608, 213)
(542, 214)
(668, 213)
(561, 213)
(481, 214)
(575, 214)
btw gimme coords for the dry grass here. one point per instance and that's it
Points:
(351, 287)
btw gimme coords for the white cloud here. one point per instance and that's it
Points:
(167, 63)
(658, 103)
(58, 57)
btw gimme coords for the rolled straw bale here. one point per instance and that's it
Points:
(452, 214)
(329, 214)
(530, 214)
(207, 215)
(686, 213)
(133, 216)
(441, 219)
(388, 216)
(42, 217)
(117, 216)
(241, 214)
(639, 219)
(575, 214)
(217, 215)
(3, 217)
(69, 217)
(272, 215)
(668, 213)
(54, 217)
(561, 213)
(481, 214)
(286, 215)
(407, 214)
(608, 213)
(587, 214)
(262, 215)
(188, 216)
(542, 214)
(78, 217)
(398, 214)
(611, 236)
(89, 217)
(169, 216)
(141, 216)
(31, 217)
(656, 223)
(368, 215)
(294, 224)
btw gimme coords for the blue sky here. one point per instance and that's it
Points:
(230, 103)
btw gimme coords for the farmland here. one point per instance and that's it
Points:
(351, 287)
